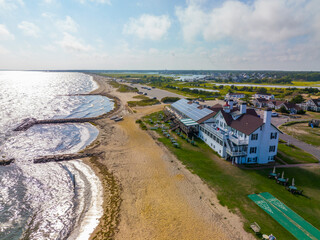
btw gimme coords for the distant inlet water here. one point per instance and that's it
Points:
(39, 201)
(257, 85)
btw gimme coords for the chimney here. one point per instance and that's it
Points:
(267, 116)
(243, 108)
(230, 104)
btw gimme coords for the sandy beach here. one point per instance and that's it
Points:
(148, 193)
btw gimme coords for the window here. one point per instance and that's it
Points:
(273, 135)
(255, 159)
(253, 150)
(254, 136)
(272, 148)
(271, 158)
(249, 160)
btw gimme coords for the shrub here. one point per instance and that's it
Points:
(283, 110)
(301, 111)
(169, 99)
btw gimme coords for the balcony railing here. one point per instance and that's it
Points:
(213, 130)
(237, 141)
(235, 153)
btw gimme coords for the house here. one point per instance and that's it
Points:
(311, 105)
(274, 104)
(260, 102)
(234, 96)
(264, 95)
(236, 134)
(291, 107)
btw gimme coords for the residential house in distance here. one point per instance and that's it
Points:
(260, 102)
(234, 96)
(236, 134)
(274, 104)
(264, 95)
(291, 107)
(311, 105)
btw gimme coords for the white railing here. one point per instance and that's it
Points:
(218, 133)
(237, 141)
(235, 153)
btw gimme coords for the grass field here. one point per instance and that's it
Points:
(303, 132)
(233, 185)
(293, 155)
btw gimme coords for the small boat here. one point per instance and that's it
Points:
(118, 119)
(114, 117)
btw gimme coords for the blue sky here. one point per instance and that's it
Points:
(160, 34)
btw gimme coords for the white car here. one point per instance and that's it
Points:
(274, 114)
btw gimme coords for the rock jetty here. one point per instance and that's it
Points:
(65, 157)
(6, 162)
(29, 122)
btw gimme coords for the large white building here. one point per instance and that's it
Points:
(239, 135)
(264, 95)
(234, 96)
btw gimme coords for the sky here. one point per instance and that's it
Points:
(160, 34)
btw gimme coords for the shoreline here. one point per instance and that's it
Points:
(156, 196)
(111, 188)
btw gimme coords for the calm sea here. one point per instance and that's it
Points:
(39, 201)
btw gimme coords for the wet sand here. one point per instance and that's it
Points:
(153, 196)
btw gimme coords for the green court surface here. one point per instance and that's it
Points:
(291, 221)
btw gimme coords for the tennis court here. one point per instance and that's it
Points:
(290, 220)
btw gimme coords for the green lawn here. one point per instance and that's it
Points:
(293, 155)
(303, 132)
(233, 185)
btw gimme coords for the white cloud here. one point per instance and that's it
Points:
(4, 33)
(73, 44)
(260, 20)
(148, 26)
(10, 4)
(67, 25)
(29, 28)
(3, 50)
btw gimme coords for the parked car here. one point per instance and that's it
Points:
(154, 98)
(274, 114)
(145, 93)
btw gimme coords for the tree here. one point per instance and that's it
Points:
(262, 90)
(283, 110)
(297, 99)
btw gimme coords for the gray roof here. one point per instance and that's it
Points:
(191, 110)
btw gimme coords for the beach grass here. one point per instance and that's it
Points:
(144, 102)
(233, 185)
(123, 87)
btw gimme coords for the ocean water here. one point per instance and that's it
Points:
(39, 201)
